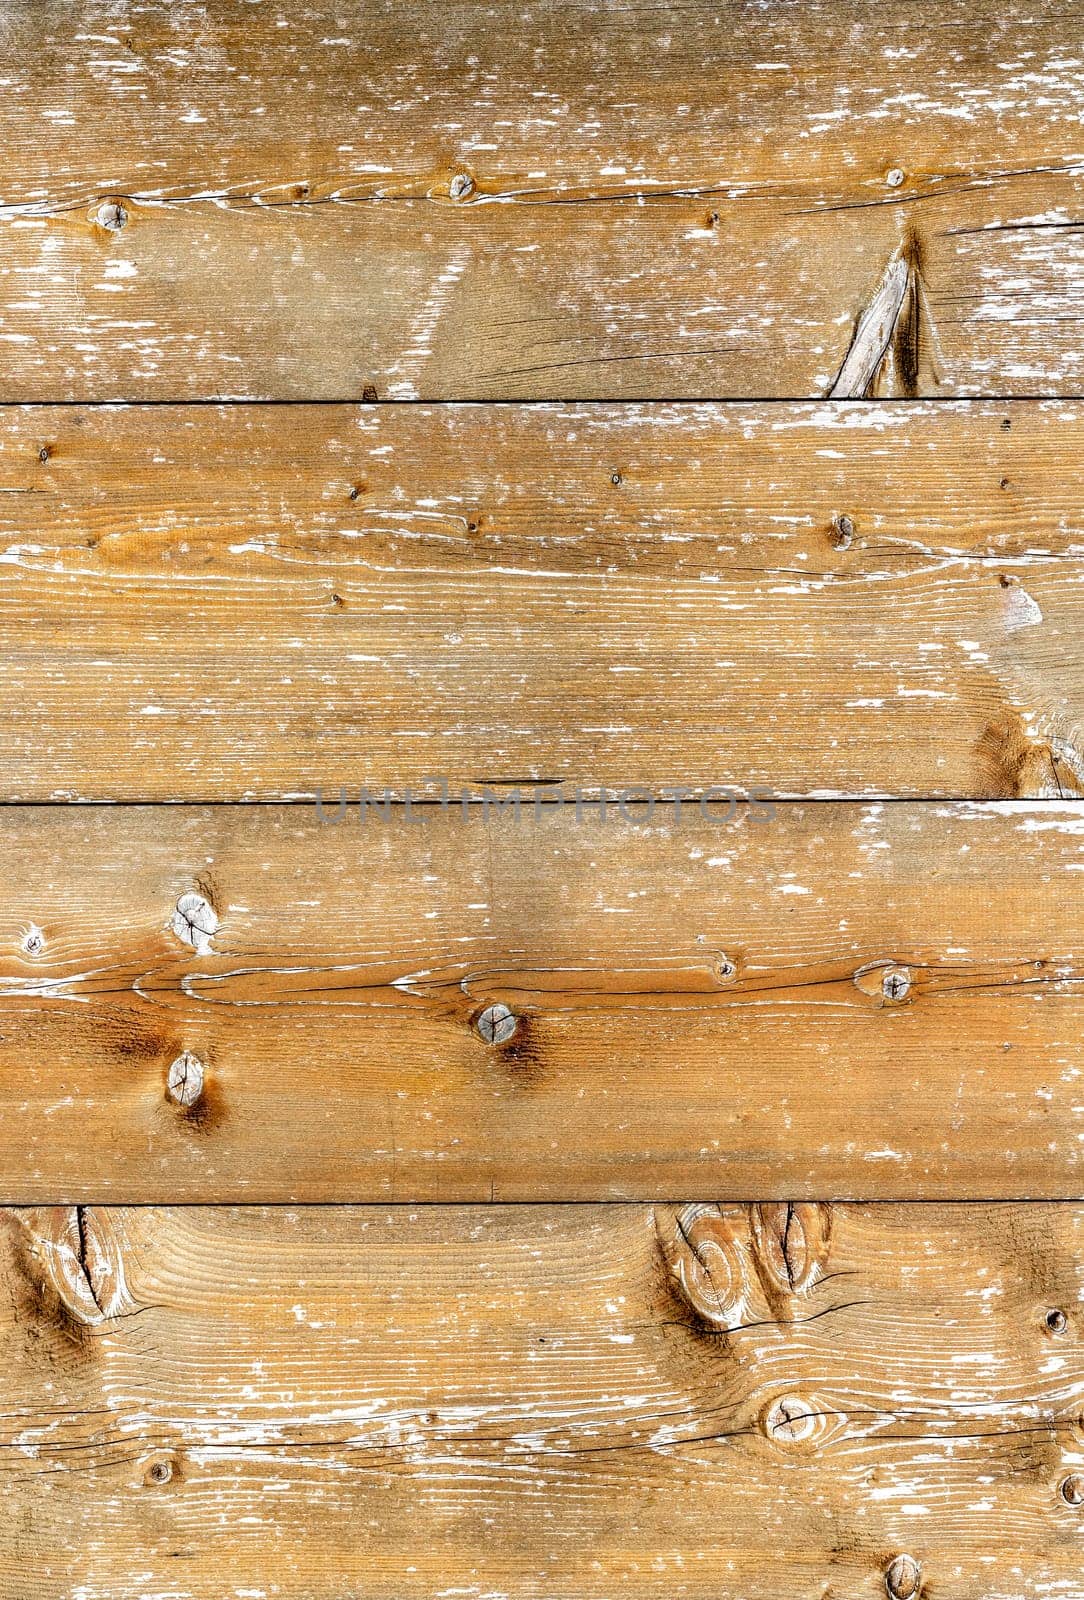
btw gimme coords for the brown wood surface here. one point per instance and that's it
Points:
(258, 602)
(452, 201)
(567, 1402)
(840, 1001)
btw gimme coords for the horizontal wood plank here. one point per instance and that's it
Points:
(544, 200)
(832, 1001)
(253, 602)
(687, 1400)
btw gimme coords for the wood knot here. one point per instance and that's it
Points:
(184, 1080)
(33, 941)
(903, 1578)
(496, 1024)
(791, 1240)
(894, 177)
(702, 1248)
(724, 969)
(159, 1473)
(793, 1421)
(111, 215)
(78, 1256)
(890, 982)
(1056, 1320)
(896, 984)
(461, 186)
(195, 922)
(842, 531)
(1072, 1489)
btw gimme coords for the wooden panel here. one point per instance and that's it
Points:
(565, 1402)
(834, 1001)
(539, 200)
(259, 602)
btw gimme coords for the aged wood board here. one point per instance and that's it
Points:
(203, 603)
(245, 200)
(829, 1403)
(825, 1001)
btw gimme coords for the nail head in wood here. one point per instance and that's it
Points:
(894, 177)
(185, 1079)
(497, 1023)
(903, 1579)
(896, 984)
(111, 215)
(195, 922)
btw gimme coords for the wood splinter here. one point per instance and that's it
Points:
(873, 335)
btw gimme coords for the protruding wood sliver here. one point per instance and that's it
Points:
(873, 333)
(327, 209)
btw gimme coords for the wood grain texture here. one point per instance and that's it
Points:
(562, 1402)
(253, 602)
(845, 1001)
(548, 200)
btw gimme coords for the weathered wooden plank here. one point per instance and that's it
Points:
(257, 602)
(690, 1400)
(246, 1003)
(551, 199)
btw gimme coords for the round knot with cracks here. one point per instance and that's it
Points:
(895, 984)
(184, 1080)
(111, 215)
(903, 1578)
(894, 177)
(33, 941)
(195, 922)
(496, 1024)
(791, 1420)
(461, 186)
